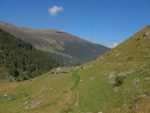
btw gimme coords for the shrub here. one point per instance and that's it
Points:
(119, 80)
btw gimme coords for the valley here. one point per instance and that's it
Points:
(118, 81)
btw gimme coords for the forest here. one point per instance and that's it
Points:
(21, 60)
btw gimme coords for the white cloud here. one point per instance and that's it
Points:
(55, 10)
(114, 44)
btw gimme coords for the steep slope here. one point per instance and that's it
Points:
(116, 82)
(66, 47)
(21, 59)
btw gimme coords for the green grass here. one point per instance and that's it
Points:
(96, 92)
(91, 87)
(50, 90)
(76, 78)
(3, 73)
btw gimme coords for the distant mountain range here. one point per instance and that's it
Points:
(67, 48)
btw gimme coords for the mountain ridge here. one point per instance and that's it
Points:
(62, 45)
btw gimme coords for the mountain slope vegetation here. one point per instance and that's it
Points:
(68, 49)
(22, 61)
(119, 80)
(116, 82)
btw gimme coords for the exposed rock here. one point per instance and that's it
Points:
(119, 64)
(27, 98)
(101, 57)
(125, 73)
(81, 80)
(57, 73)
(142, 96)
(125, 105)
(147, 78)
(115, 89)
(51, 88)
(135, 106)
(140, 90)
(44, 89)
(111, 75)
(26, 105)
(105, 74)
(118, 54)
(35, 105)
(41, 96)
(5, 95)
(146, 34)
(11, 79)
(112, 82)
(86, 66)
(61, 70)
(145, 70)
(10, 98)
(92, 78)
(122, 74)
(136, 82)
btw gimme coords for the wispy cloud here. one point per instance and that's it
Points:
(53, 11)
(114, 44)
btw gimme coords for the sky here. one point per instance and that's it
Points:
(106, 22)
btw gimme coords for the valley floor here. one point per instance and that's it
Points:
(72, 91)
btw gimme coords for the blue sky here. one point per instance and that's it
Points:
(100, 21)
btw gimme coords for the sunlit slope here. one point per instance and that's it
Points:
(119, 81)
(49, 93)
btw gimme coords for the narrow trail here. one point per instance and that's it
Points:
(77, 99)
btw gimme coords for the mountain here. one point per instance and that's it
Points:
(69, 49)
(116, 82)
(20, 60)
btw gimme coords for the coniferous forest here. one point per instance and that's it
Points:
(21, 60)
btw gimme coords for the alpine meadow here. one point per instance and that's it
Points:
(78, 57)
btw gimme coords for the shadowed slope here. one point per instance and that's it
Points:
(66, 47)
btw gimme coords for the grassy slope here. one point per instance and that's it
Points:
(47, 93)
(96, 91)
(132, 60)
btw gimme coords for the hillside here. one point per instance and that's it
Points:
(116, 82)
(20, 60)
(69, 49)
